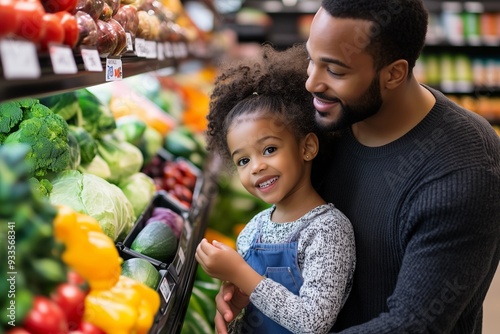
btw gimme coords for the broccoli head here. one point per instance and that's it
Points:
(47, 135)
(11, 115)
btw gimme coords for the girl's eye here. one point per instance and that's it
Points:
(270, 150)
(242, 162)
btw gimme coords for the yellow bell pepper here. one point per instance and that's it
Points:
(91, 253)
(110, 312)
(149, 305)
(128, 298)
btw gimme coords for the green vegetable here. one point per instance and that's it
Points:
(139, 189)
(74, 151)
(92, 195)
(150, 144)
(131, 128)
(42, 187)
(87, 143)
(142, 271)
(47, 136)
(182, 142)
(11, 115)
(123, 158)
(98, 167)
(156, 240)
(65, 104)
(96, 117)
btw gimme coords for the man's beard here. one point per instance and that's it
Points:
(369, 104)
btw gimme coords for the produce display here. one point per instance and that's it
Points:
(104, 202)
(107, 25)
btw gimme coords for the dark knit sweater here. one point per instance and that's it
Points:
(426, 216)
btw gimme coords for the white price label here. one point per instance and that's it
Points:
(113, 69)
(62, 59)
(151, 49)
(19, 60)
(130, 45)
(160, 52)
(165, 289)
(169, 50)
(91, 60)
(140, 47)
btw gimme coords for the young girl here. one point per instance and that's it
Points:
(296, 259)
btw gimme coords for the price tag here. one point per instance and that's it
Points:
(62, 59)
(160, 52)
(114, 69)
(140, 47)
(19, 60)
(91, 60)
(130, 45)
(183, 51)
(166, 289)
(151, 49)
(181, 259)
(169, 50)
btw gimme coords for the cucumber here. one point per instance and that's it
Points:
(142, 271)
(156, 240)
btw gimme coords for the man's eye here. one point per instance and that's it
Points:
(335, 74)
(270, 150)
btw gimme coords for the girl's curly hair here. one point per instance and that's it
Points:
(272, 83)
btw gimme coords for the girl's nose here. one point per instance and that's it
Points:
(258, 165)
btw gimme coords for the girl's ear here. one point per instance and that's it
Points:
(310, 146)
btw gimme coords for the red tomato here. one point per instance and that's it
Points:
(46, 317)
(53, 31)
(8, 17)
(89, 328)
(75, 279)
(71, 300)
(29, 19)
(70, 27)
(53, 6)
(18, 330)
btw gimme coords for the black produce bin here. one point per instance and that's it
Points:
(177, 277)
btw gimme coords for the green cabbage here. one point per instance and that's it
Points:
(98, 167)
(139, 189)
(123, 158)
(92, 195)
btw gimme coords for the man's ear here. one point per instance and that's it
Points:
(395, 74)
(310, 146)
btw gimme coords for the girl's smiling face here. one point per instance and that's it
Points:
(268, 157)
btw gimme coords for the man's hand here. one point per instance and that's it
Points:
(230, 301)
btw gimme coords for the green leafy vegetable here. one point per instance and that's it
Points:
(45, 133)
(123, 158)
(10, 116)
(97, 119)
(139, 189)
(87, 143)
(92, 195)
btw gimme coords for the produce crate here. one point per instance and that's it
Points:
(176, 266)
(157, 171)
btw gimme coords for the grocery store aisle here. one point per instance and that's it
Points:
(491, 323)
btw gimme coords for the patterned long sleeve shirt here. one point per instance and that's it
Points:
(326, 258)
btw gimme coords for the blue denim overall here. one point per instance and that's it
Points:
(278, 262)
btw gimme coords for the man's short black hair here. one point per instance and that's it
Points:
(398, 27)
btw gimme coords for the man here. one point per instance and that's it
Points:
(417, 175)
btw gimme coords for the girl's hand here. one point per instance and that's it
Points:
(219, 260)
